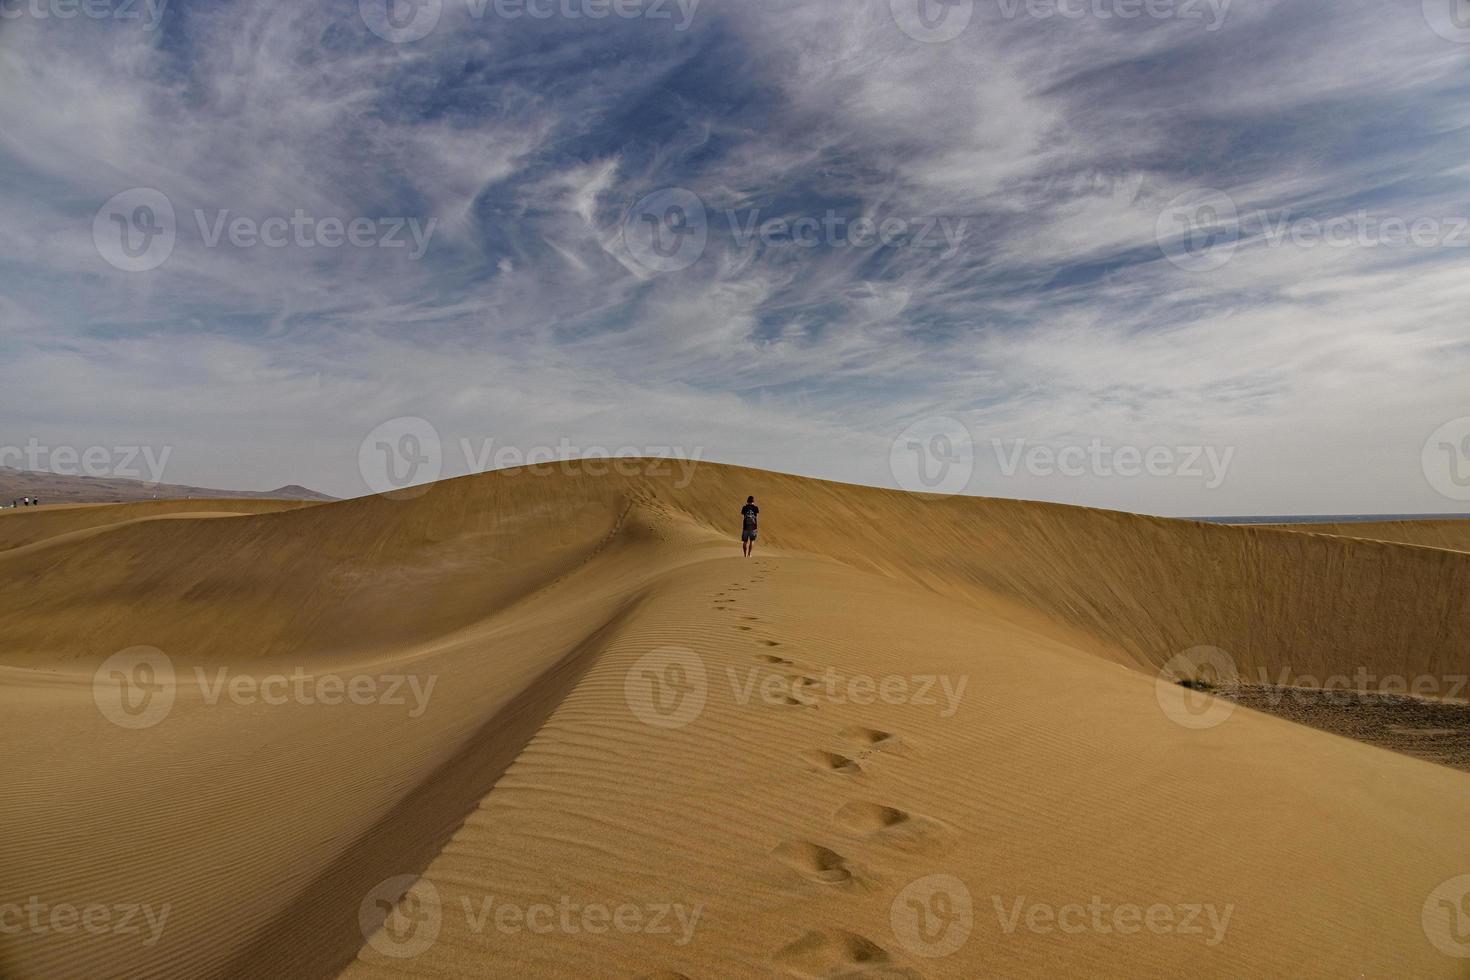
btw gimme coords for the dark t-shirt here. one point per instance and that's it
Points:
(748, 512)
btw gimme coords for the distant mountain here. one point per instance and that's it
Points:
(53, 488)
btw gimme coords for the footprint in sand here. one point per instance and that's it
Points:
(827, 954)
(839, 765)
(899, 829)
(814, 862)
(800, 684)
(869, 818)
(871, 738)
(769, 658)
(769, 643)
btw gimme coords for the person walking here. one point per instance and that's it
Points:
(749, 516)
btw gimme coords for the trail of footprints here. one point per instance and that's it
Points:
(831, 953)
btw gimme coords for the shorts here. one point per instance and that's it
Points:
(747, 534)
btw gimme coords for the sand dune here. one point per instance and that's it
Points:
(911, 737)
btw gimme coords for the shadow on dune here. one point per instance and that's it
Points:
(316, 934)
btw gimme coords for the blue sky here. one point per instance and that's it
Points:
(1029, 168)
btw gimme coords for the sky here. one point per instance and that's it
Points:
(1183, 257)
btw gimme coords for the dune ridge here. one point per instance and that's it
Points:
(1451, 534)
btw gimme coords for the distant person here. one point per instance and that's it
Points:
(749, 515)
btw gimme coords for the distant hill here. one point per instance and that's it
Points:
(52, 488)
